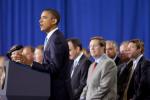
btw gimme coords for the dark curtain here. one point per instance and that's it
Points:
(117, 20)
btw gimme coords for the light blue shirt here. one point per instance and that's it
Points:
(97, 60)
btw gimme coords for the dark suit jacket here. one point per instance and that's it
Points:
(78, 80)
(56, 60)
(117, 61)
(123, 74)
(140, 83)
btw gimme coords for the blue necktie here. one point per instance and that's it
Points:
(45, 42)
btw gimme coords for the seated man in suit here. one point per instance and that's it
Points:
(138, 85)
(102, 74)
(38, 54)
(80, 66)
(123, 69)
(123, 52)
(112, 51)
(28, 53)
(15, 53)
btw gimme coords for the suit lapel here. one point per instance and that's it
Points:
(47, 51)
(99, 65)
(138, 69)
(78, 65)
(92, 72)
(49, 40)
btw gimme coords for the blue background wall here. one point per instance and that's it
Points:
(117, 20)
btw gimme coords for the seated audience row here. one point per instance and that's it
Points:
(28, 53)
(120, 73)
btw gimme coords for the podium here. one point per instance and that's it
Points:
(24, 83)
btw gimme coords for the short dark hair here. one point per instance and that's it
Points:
(139, 44)
(76, 42)
(101, 40)
(55, 13)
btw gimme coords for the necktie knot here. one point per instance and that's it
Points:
(94, 65)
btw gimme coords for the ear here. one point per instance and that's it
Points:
(54, 21)
(78, 49)
(140, 50)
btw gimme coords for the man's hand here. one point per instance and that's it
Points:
(17, 57)
(21, 59)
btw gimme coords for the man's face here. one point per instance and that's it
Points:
(28, 54)
(46, 21)
(95, 49)
(124, 52)
(73, 52)
(38, 55)
(110, 50)
(133, 52)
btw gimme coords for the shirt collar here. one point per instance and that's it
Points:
(100, 58)
(78, 58)
(51, 32)
(137, 59)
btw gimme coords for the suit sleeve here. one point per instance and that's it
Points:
(57, 59)
(83, 94)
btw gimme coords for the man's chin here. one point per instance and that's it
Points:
(42, 30)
